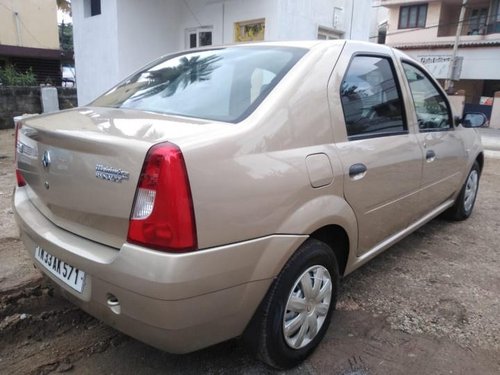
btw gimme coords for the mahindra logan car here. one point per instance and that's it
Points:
(225, 192)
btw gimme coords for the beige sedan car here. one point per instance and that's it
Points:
(225, 192)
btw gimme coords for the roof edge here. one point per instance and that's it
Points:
(38, 53)
(438, 45)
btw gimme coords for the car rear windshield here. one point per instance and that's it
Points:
(221, 84)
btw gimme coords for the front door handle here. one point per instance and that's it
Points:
(357, 171)
(430, 156)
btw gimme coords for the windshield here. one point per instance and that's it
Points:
(222, 84)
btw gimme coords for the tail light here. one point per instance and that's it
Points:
(162, 215)
(19, 176)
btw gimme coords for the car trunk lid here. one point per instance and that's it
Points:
(82, 166)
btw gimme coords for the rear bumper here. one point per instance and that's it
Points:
(176, 302)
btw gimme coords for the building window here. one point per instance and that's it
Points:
(325, 33)
(477, 21)
(199, 37)
(412, 16)
(92, 8)
(495, 11)
(95, 7)
(249, 31)
(494, 20)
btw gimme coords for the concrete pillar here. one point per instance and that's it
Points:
(50, 101)
(495, 112)
(457, 102)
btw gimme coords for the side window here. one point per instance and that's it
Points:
(371, 98)
(431, 106)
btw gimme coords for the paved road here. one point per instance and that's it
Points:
(428, 305)
(491, 142)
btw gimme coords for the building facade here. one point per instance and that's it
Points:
(426, 30)
(29, 38)
(113, 38)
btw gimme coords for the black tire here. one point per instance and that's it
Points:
(265, 333)
(464, 204)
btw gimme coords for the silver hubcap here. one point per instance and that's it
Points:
(470, 190)
(307, 306)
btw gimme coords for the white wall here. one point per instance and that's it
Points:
(379, 15)
(361, 16)
(130, 33)
(96, 49)
(222, 14)
(300, 19)
(285, 19)
(241, 10)
(477, 63)
(146, 31)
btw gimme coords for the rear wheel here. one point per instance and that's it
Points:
(464, 204)
(295, 314)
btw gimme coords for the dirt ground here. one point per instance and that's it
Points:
(429, 305)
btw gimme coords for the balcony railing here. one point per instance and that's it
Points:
(471, 26)
(493, 28)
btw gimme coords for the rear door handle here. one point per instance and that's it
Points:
(430, 156)
(357, 171)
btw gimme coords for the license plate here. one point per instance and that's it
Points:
(65, 272)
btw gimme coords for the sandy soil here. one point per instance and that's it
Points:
(429, 305)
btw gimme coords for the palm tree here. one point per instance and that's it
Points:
(171, 79)
(190, 71)
(64, 6)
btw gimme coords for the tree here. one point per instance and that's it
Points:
(66, 36)
(64, 6)
(170, 79)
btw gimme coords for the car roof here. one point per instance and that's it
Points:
(309, 44)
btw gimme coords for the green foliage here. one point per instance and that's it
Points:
(64, 5)
(66, 36)
(9, 76)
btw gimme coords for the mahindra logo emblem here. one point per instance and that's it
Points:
(107, 173)
(46, 159)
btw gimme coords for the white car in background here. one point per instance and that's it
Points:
(68, 76)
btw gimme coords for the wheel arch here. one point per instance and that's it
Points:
(330, 219)
(480, 161)
(337, 239)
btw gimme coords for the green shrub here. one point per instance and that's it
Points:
(9, 76)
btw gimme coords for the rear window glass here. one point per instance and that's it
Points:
(222, 84)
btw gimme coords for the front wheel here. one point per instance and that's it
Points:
(464, 204)
(295, 314)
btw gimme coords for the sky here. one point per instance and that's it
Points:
(61, 16)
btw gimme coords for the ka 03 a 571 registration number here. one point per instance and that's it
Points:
(65, 272)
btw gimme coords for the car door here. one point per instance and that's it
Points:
(381, 158)
(443, 148)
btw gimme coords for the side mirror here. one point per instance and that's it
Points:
(474, 120)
